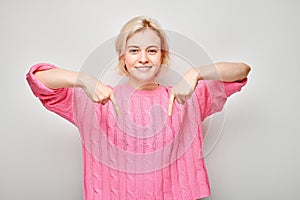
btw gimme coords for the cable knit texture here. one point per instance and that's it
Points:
(144, 153)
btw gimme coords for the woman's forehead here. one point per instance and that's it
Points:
(144, 38)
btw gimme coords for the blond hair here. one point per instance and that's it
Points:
(133, 26)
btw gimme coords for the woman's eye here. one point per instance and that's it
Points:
(152, 51)
(133, 51)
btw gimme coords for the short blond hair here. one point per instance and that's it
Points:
(133, 26)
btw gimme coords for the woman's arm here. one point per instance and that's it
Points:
(60, 78)
(222, 71)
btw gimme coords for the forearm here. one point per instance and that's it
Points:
(58, 78)
(223, 71)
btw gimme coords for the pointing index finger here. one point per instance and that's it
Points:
(170, 105)
(115, 104)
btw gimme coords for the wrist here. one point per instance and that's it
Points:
(193, 73)
(81, 79)
(86, 81)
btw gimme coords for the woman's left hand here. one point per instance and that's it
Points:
(184, 89)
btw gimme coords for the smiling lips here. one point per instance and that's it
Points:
(143, 68)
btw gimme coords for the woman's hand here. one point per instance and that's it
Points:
(184, 89)
(222, 71)
(97, 91)
(60, 78)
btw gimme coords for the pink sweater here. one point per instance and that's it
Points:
(144, 153)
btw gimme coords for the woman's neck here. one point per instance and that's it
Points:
(143, 86)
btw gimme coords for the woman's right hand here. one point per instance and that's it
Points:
(97, 91)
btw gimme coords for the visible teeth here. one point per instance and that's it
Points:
(143, 68)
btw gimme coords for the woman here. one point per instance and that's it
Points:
(138, 142)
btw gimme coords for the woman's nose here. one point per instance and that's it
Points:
(143, 57)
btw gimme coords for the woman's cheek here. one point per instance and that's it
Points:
(130, 61)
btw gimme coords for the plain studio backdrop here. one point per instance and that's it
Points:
(256, 156)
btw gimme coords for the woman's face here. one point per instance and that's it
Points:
(143, 57)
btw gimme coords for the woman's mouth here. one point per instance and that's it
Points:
(143, 68)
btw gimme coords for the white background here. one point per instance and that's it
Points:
(257, 154)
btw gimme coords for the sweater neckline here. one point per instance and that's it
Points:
(153, 92)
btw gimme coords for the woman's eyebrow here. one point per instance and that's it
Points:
(135, 46)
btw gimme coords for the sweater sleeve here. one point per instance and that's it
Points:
(212, 95)
(58, 101)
